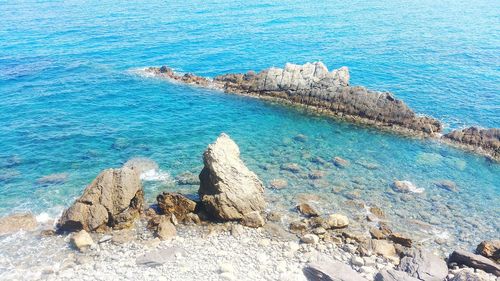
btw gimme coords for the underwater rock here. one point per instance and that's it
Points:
(16, 222)
(476, 138)
(58, 178)
(290, 167)
(406, 187)
(447, 185)
(187, 178)
(307, 210)
(115, 198)
(340, 162)
(228, 189)
(141, 165)
(278, 183)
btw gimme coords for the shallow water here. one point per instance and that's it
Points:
(72, 105)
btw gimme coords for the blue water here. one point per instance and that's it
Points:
(72, 103)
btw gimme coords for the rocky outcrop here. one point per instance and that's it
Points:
(330, 92)
(229, 191)
(113, 200)
(15, 222)
(331, 271)
(312, 84)
(475, 261)
(489, 249)
(424, 266)
(475, 138)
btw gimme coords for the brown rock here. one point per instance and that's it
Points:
(400, 239)
(228, 189)
(307, 210)
(166, 230)
(114, 199)
(377, 212)
(298, 227)
(474, 261)
(175, 203)
(253, 219)
(490, 249)
(377, 233)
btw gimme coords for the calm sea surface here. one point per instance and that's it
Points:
(71, 102)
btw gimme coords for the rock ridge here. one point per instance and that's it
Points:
(330, 92)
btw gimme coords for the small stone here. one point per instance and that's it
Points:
(314, 175)
(401, 239)
(377, 212)
(81, 240)
(337, 221)
(105, 238)
(166, 230)
(298, 227)
(340, 162)
(357, 261)
(377, 233)
(278, 183)
(291, 167)
(307, 210)
(253, 219)
(385, 249)
(300, 138)
(406, 187)
(319, 231)
(447, 185)
(310, 239)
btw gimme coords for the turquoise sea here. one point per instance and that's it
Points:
(72, 102)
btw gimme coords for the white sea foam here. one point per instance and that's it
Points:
(43, 218)
(155, 175)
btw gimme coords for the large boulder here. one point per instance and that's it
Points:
(331, 271)
(228, 189)
(15, 222)
(115, 198)
(424, 266)
(475, 261)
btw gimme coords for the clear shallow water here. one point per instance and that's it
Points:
(70, 102)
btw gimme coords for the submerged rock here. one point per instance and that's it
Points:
(141, 165)
(340, 162)
(447, 185)
(406, 187)
(115, 198)
(278, 183)
(58, 178)
(16, 222)
(228, 189)
(307, 210)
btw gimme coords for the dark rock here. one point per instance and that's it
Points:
(486, 139)
(307, 210)
(400, 239)
(331, 271)
(490, 249)
(424, 266)
(291, 167)
(394, 275)
(175, 203)
(447, 185)
(475, 261)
